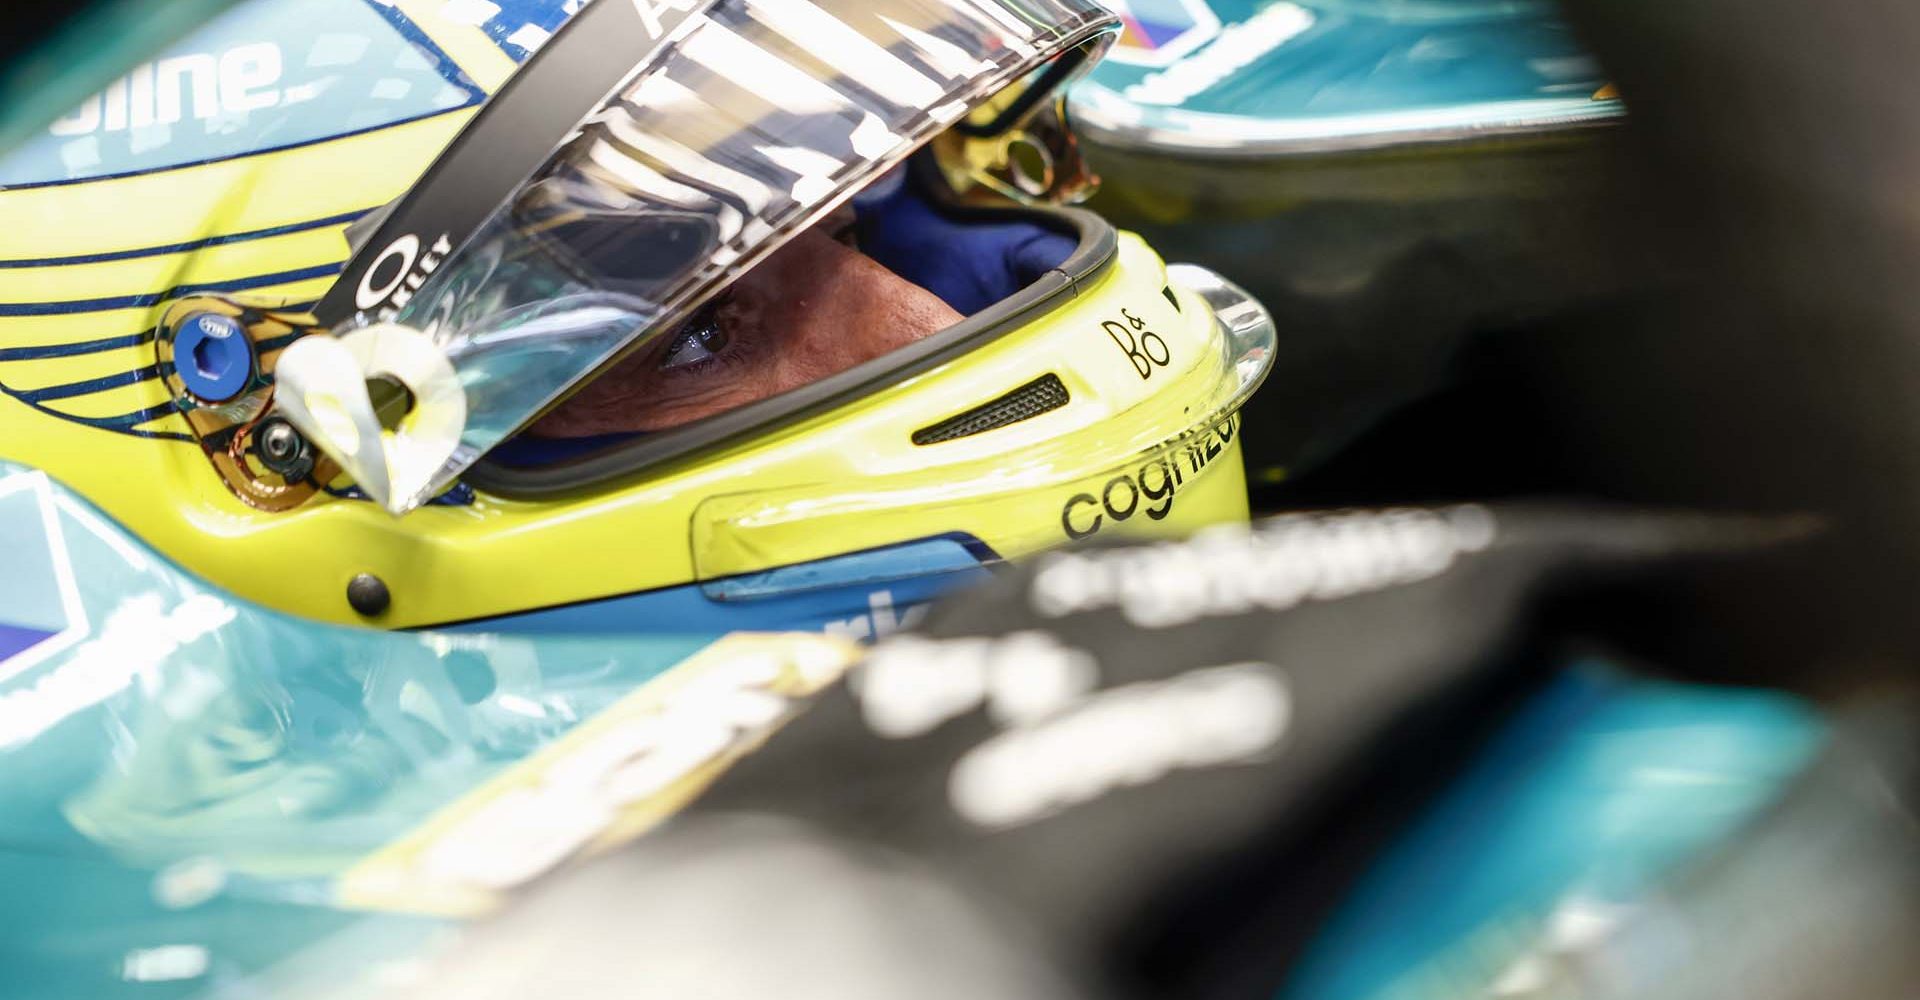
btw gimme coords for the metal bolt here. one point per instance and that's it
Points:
(213, 356)
(283, 450)
(368, 594)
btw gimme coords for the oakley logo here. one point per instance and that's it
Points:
(398, 272)
(1144, 349)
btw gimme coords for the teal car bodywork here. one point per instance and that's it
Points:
(1391, 178)
(1262, 78)
(185, 778)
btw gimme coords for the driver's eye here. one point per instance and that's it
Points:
(702, 341)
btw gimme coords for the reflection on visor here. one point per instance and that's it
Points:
(754, 119)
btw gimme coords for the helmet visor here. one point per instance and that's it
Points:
(754, 119)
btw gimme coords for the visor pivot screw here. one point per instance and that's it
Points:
(213, 356)
(282, 449)
(368, 594)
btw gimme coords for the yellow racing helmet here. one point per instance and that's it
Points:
(244, 314)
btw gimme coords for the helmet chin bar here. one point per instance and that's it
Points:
(738, 535)
(217, 356)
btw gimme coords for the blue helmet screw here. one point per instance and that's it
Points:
(214, 356)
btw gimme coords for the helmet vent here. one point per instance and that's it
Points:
(1036, 397)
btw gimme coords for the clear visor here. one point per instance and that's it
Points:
(758, 118)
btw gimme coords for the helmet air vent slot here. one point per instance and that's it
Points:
(1036, 397)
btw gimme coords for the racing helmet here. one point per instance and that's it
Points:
(310, 362)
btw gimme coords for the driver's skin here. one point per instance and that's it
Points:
(814, 308)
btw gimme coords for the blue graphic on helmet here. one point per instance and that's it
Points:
(861, 595)
(521, 26)
(262, 77)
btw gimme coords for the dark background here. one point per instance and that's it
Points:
(1766, 358)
